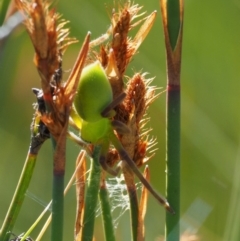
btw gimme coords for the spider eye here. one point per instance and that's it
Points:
(94, 93)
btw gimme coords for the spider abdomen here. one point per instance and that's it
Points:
(94, 93)
(94, 132)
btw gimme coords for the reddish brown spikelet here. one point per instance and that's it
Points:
(41, 26)
(64, 94)
(49, 39)
(112, 157)
(103, 56)
(140, 152)
(119, 42)
(123, 46)
(131, 112)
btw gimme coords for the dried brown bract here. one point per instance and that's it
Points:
(50, 40)
(48, 36)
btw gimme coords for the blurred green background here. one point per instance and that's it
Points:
(210, 120)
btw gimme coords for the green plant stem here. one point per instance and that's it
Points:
(92, 197)
(57, 207)
(173, 162)
(18, 197)
(70, 183)
(59, 160)
(37, 139)
(172, 16)
(106, 214)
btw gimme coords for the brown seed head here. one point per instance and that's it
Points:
(48, 37)
(132, 112)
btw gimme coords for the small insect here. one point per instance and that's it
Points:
(18, 238)
(94, 104)
(42, 128)
(40, 101)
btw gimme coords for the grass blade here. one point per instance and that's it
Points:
(18, 197)
(80, 193)
(4, 8)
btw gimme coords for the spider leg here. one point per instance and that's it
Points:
(79, 141)
(120, 127)
(102, 160)
(101, 39)
(108, 111)
(125, 157)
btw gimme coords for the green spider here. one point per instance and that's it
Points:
(93, 107)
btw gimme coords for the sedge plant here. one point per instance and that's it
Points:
(172, 18)
(107, 110)
(50, 40)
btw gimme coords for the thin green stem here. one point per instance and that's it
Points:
(18, 197)
(106, 214)
(92, 197)
(70, 183)
(172, 16)
(37, 139)
(57, 207)
(173, 162)
(26, 234)
(59, 160)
